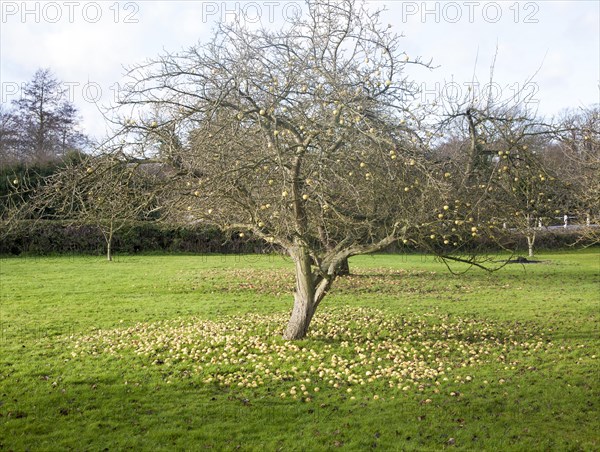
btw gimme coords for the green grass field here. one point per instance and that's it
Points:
(185, 353)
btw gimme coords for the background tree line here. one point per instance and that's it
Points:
(40, 136)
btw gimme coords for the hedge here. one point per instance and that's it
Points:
(55, 237)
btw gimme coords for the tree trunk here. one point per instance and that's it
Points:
(311, 287)
(109, 238)
(530, 242)
(474, 148)
(343, 268)
(304, 297)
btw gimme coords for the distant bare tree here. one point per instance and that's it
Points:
(43, 125)
(104, 191)
(499, 146)
(578, 162)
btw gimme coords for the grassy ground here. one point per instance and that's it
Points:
(184, 353)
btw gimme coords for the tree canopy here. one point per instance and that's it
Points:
(304, 136)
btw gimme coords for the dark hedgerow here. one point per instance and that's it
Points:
(56, 237)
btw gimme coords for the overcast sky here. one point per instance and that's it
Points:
(86, 44)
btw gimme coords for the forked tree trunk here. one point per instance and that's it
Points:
(312, 287)
(304, 297)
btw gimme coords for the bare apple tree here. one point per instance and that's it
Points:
(501, 148)
(105, 191)
(578, 161)
(309, 137)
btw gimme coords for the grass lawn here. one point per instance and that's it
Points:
(185, 353)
